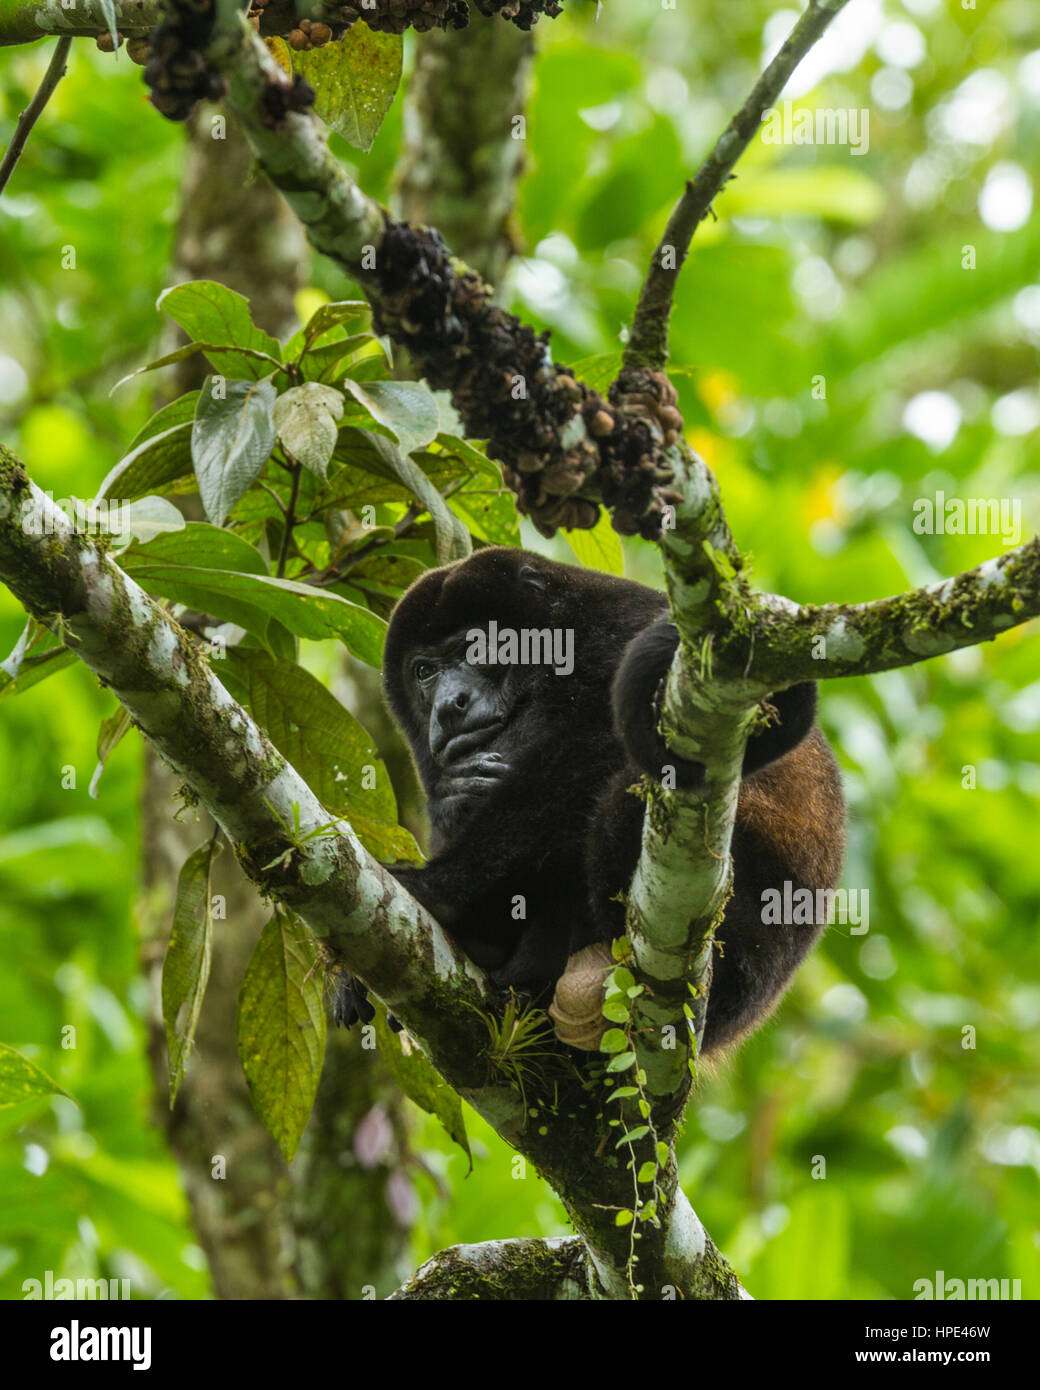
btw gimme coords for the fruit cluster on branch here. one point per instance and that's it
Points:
(563, 446)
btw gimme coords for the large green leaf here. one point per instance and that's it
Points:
(306, 418)
(186, 965)
(325, 744)
(211, 313)
(226, 360)
(809, 1258)
(152, 465)
(177, 412)
(250, 600)
(231, 440)
(281, 1028)
(382, 455)
(407, 408)
(355, 81)
(197, 545)
(325, 318)
(839, 194)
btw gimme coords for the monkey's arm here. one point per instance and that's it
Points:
(636, 690)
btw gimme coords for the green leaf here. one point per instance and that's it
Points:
(615, 1011)
(178, 412)
(355, 81)
(622, 977)
(623, 1093)
(327, 317)
(598, 372)
(421, 1083)
(647, 1172)
(186, 965)
(109, 735)
(225, 360)
(624, 1218)
(329, 361)
(451, 538)
(21, 1079)
(35, 668)
(613, 1040)
(364, 451)
(324, 742)
(631, 1136)
(407, 408)
(251, 600)
(144, 519)
(231, 440)
(211, 313)
(388, 572)
(662, 1154)
(621, 1062)
(305, 418)
(486, 505)
(281, 1028)
(197, 545)
(810, 1256)
(158, 460)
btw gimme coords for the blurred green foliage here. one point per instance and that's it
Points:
(824, 267)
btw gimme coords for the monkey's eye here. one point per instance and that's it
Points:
(424, 671)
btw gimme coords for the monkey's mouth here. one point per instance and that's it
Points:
(472, 741)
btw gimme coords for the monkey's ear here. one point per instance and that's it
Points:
(535, 578)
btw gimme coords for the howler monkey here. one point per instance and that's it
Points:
(528, 692)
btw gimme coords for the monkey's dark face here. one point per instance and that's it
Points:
(468, 712)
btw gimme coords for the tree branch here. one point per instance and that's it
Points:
(22, 21)
(835, 639)
(158, 674)
(648, 344)
(738, 646)
(500, 1270)
(55, 72)
(324, 875)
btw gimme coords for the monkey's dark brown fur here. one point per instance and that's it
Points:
(535, 829)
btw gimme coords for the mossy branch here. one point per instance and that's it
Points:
(159, 675)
